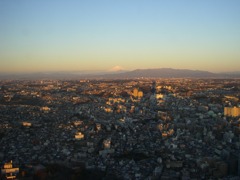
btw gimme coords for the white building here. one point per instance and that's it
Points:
(79, 136)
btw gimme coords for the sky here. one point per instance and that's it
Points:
(102, 35)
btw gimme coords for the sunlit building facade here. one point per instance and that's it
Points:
(8, 171)
(137, 93)
(232, 111)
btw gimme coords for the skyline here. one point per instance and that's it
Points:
(97, 36)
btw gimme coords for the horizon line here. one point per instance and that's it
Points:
(110, 71)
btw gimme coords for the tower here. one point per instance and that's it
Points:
(153, 88)
(135, 92)
(153, 97)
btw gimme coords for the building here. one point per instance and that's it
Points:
(107, 143)
(232, 111)
(153, 88)
(137, 93)
(140, 94)
(79, 135)
(8, 172)
(45, 109)
(26, 124)
(98, 126)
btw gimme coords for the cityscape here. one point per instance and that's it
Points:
(121, 129)
(119, 89)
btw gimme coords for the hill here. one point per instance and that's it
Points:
(163, 73)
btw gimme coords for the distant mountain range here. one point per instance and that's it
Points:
(138, 73)
(163, 73)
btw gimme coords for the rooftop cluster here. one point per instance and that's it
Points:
(129, 129)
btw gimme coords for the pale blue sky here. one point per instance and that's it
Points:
(52, 35)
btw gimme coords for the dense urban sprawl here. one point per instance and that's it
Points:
(121, 129)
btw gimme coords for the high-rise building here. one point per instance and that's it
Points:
(140, 94)
(153, 88)
(137, 93)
